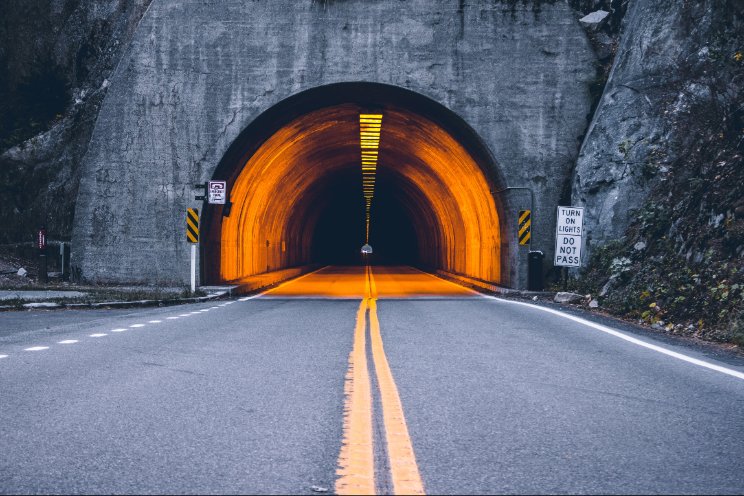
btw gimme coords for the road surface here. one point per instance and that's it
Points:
(354, 380)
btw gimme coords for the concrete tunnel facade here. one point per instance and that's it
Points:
(266, 96)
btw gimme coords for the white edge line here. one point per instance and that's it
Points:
(630, 339)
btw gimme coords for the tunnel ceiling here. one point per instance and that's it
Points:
(310, 168)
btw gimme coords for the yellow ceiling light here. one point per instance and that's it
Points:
(370, 126)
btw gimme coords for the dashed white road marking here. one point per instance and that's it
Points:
(193, 313)
(118, 330)
(628, 338)
(68, 341)
(154, 321)
(98, 335)
(213, 308)
(174, 318)
(37, 348)
(3, 356)
(137, 325)
(204, 310)
(184, 315)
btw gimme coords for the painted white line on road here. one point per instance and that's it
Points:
(118, 330)
(3, 356)
(246, 298)
(184, 315)
(37, 348)
(174, 318)
(193, 313)
(98, 335)
(213, 308)
(628, 338)
(154, 321)
(68, 341)
(204, 310)
(137, 325)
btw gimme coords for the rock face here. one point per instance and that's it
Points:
(661, 69)
(55, 57)
(197, 73)
(595, 20)
(565, 297)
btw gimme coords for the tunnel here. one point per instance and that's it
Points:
(296, 194)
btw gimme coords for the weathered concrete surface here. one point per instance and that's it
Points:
(197, 73)
(662, 69)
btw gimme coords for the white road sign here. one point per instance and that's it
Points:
(568, 233)
(217, 192)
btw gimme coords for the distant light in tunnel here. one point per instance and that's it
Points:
(370, 126)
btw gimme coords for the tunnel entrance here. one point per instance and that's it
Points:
(295, 183)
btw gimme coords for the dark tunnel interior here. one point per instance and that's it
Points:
(297, 194)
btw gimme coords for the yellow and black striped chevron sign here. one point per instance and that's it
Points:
(525, 227)
(192, 225)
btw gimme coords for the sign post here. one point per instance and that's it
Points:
(192, 236)
(569, 230)
(42, 245)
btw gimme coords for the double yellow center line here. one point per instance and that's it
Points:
(356, 460)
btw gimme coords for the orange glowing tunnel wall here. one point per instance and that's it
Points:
(282, 190)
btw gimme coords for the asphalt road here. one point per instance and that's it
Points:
(249, 396)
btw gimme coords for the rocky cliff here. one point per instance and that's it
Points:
(660, 171)
(56, 56)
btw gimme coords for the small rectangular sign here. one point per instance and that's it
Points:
(217, 192)
(41, 239)
(570, 221)
(567, 250)
(568, 236)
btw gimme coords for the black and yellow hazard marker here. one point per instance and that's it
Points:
(192, 225)
(525, 227)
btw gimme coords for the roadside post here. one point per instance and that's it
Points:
(63, 254)
(41, 244)
(192, 236)
(569, 232)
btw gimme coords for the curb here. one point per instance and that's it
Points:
(114, 304)
(488, 287)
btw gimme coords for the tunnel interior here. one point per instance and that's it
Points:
(295, 183)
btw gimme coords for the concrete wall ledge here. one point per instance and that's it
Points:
(266, 280)
(486, 286)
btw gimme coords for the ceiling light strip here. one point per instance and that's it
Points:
(370, 126)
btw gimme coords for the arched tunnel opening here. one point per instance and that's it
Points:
(295, 182)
